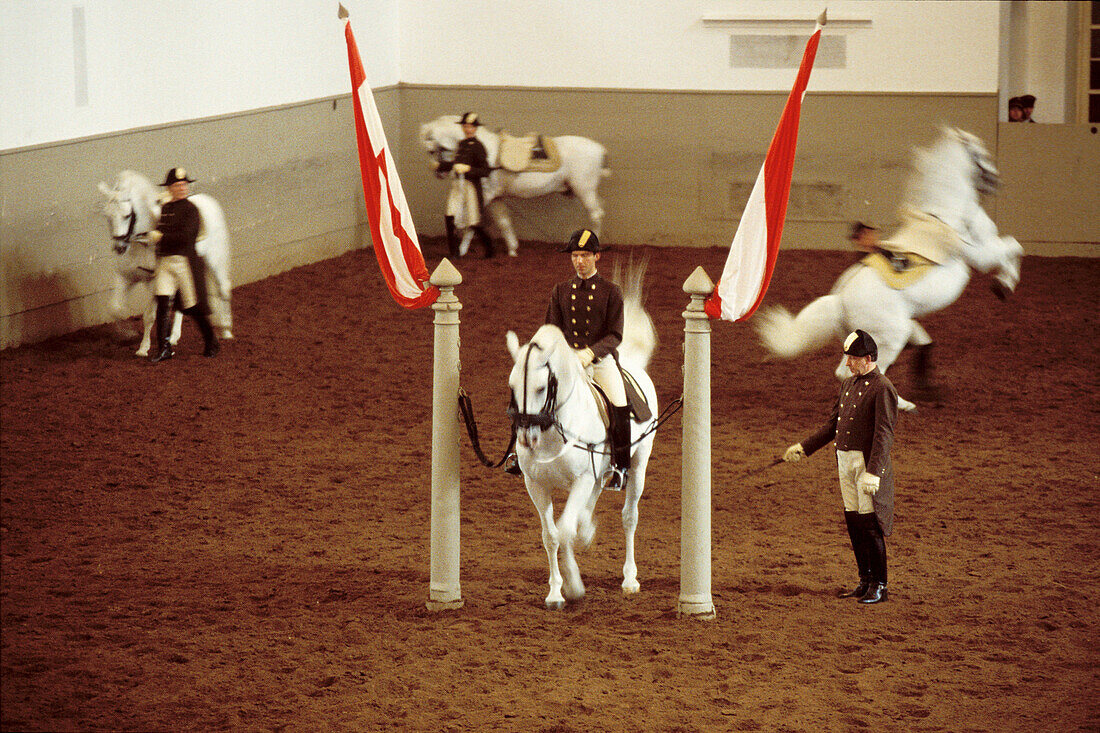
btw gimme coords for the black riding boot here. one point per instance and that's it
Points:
(922, 374)
(620, 448)
(486, 241)
(210, 341)
(876, 544)
(857, 534)
(164, 329)
(452, 241)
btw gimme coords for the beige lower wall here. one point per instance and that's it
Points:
(682, 164)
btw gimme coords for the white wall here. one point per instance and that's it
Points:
(149, 63)
(661, 44)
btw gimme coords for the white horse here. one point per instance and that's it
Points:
(132, 210)
(561, 442)
(944, 231)
(583, 164)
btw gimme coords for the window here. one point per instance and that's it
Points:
(1088, 78)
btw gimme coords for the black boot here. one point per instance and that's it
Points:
(486, 241)
(922, 375)
(452, 241)
(620, 448)
(876, 543)
(164, 329)
(210, 341)
(859, 548)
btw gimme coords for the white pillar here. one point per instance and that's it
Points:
(444, 592)
(695, 596)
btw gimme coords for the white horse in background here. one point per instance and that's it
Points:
(562, 443)
(132, 210)
(944, 233)
(583, 164)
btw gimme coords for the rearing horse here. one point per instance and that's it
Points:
(944, 233)
(562, 443)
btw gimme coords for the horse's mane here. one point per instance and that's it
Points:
(138, 185)
(944, 178)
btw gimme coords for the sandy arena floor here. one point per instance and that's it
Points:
(242, 543)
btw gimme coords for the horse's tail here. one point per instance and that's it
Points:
(639, 335)
(788, 336)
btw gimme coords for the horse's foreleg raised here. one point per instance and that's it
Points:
(575, 518)
(544, 506)
(148, 319)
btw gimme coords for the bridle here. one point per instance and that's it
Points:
(545, 418)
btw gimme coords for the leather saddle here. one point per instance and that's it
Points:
(639, 408)
(898, 270)
(532, 152)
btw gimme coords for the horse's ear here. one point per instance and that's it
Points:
(104, 189)
(512, 341)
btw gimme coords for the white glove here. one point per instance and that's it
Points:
(153, 236)
(868, 483)
(433, 164)
(461, 169)
(794, 454)
(586, 356)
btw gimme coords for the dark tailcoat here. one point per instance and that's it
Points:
(863, 419)
(589, 313)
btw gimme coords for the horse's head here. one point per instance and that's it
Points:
(130, 209)
(440, 137)
(984, 172)
(541, 369)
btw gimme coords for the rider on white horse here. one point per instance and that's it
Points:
(589, 311)
(179, 268)
(467, 197)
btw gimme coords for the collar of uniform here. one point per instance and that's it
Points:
(586, 282)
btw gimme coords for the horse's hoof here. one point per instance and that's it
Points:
(226, 334)
(630, 589)
(142, 353)
(555, 605)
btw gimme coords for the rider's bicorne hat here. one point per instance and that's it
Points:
(583, 240)
(860, 343)
(469, 118)
(175, 175)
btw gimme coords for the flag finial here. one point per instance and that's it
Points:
(342, 13)
(820, 18)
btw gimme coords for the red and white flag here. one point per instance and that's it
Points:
(391, 224)
(755, 245)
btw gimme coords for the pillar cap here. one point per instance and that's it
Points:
(445, 275)
(699, 283)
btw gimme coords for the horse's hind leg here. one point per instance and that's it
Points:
(503, 220)
(591, 202)
(222, 316)
(634, 487)
(545, 509)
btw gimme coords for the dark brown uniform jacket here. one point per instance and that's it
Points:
(863, 419)
(589, 313)
(180, 223)
(471, 152)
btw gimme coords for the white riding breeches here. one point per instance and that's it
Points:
(850, 465)
(174, 273)
(462, 204)
(605, 373)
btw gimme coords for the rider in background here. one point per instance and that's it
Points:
(472, 162)
(589, 311)
(864, 238)
(174, 238)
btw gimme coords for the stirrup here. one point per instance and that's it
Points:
(511, 465)
(614, 479)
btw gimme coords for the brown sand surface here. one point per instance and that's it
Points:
(242, 543)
